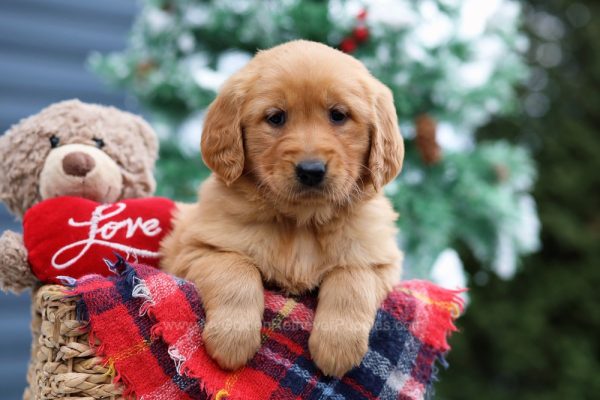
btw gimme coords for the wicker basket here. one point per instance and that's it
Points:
(62, 363)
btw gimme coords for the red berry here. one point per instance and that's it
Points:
(361, 33)
(362, 15)
(348, 45)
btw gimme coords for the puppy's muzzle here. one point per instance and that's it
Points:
(311, 172)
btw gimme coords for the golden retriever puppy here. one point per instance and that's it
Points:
(300, 141)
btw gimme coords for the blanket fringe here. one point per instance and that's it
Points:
(446, 306)
(121, 268)
(177, 358)
(140, 291)
(442, 306)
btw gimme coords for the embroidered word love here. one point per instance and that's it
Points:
(102, 234)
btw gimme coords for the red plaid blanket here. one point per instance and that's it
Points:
(149, 325)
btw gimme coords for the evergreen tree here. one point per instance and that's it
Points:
(537, 336)
(451, 65)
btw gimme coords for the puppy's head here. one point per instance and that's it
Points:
(309, 123)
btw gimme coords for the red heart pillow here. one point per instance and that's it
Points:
(71, 236)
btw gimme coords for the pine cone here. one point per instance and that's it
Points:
(426, 128)
(145, 67)
(502, 172)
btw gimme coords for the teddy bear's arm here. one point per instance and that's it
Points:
(15, 273)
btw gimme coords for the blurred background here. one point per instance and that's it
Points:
(498, 101)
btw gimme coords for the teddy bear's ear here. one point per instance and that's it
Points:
(146, 183)
(4, 195)
(140, 182)
(21, 160)
(149, 138)
(3, 174)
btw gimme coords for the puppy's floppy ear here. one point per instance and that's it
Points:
(387, 146)
(222, 144)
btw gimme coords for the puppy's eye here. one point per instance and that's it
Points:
(54, 141)
(337, 116)
(99, 142)
(276, 119)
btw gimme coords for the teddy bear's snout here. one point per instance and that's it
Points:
(78, 164)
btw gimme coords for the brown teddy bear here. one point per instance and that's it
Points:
(70, 149)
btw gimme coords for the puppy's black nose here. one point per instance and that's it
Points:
(310, 172)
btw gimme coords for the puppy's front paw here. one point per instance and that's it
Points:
(232, 339)
(336, 348)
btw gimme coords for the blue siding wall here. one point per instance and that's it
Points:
(43, 48)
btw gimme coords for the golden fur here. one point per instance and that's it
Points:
(255, 222)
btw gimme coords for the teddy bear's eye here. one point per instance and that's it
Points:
(99, 142)
(54, 141)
